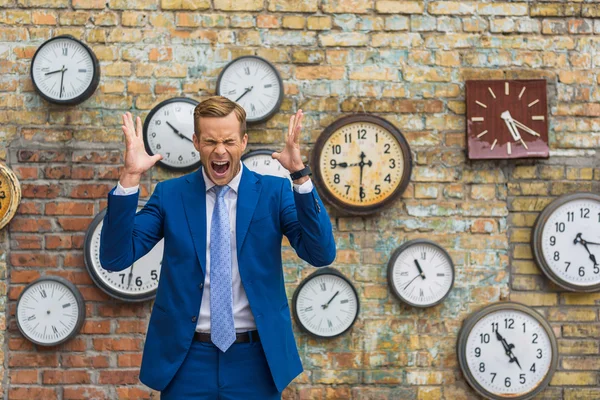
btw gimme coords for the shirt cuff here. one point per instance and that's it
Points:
(121, 191)
(306, 187)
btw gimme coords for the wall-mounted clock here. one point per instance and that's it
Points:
(168, 130)
(10, 195)
(65, 70)
(139, 282)
(566, 241)
(255, 84)
(507, 351)
(421, 273)
(260, 161)
(325, 304)
(361, 163)
(50, 311)
(507, 119)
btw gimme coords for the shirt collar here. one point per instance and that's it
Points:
(234, 184)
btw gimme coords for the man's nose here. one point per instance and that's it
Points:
(220, 149)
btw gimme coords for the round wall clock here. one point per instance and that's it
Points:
(507, 351)
(255, 84)
(136, 283)
(168, 130)
(50, 311)
(260, 161)
(566, 241)
(325, 304)
(361, 163)
(421, 273)
(10, 195)
(65, 71)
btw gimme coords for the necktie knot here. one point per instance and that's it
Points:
(221, 191)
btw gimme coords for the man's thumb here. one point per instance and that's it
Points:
(157, 157)
(275, 155)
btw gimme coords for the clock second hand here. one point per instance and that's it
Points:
(62, 76)
(130, 275)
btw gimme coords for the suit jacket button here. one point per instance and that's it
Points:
(201, 286)
(194, 318)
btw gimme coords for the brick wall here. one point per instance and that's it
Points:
(406, 61)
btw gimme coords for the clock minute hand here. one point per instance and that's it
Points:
(243, 94)
(525, 127)
(508, 349)
(508, 121)
(324, 306)
(181, 135)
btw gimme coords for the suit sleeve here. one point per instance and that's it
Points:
(306, 224)
(127, 236)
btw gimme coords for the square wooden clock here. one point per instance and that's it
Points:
(507, 119)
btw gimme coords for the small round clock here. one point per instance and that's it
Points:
(139, 282)
(260, 161)
(168, 130)
(10, 195)
(325, 304)
(566, 241)
(65, 70)
(361, 163)
(50, 311)
(507, 351)
(421, 273)
(255, 84)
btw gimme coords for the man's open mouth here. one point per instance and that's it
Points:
(220, 167)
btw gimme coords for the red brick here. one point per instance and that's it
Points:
(85, 392)
(30, 225)
(19, 343)
(58, 242)
(133, 393)
(45, 191)
(97, 157)
(23, 376)
(42, 156)
(61, 172)
(124, 310)
(74, 224)
(24, 173)
(29, 393)
(134, 326)
(129, 360)
(54, 377)
(23, 276)
(29, 359)
(119, 377)
(93, 294)
(30, 208)
(82, 173)
(33, 260)
(84, 361)
(90, 191)
(25, 242)
(96, 326)
(76, 277)
(122, 344)
(74, 260)
(69, 208)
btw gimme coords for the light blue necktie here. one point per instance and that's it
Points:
(222, 329)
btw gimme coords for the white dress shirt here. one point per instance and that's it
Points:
(242, 314)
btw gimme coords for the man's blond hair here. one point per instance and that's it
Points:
(219, 106)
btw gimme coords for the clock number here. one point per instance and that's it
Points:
(166, 113)
(177, 109)
(247, 71)
(362, 134)
(507, 382)
(153, 275)
(581, 271)
(362, 193)
(347, 189)
(158, 146)
(329, 324)
(180, 158)
(423, 256)
(65, 51)
(556, 256)
(570, 216)
(552, 240)
(336, 148)
(333, 164)
(568, 265)
(522, 379)
(31, 318)
(168, 155)
(421, 294)
(532, 369)
(599, 217)
(539, 353)
(376, 137)
(392, 163)
(153, 134)
(345, 301)
(323, 286)
(524, 327)
(493, 376)
(122, 278)
(308, 309)
(388, 178)
(347, 138)
(138, 281)
(560, 227)
(43, 293)
(377, 189)
(585, 213)
(494, 327)
(485, 337)
(336, 178)
(252, 108)
(509, 323)
(54, 330)
(157, 122)
(386, 148)
(596, 269)
(477, 352)
(194, 154)
(481, 367)
(535, 338)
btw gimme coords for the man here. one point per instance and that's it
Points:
(220, 326)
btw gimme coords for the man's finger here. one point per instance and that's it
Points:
(138, 131)
(291, 125)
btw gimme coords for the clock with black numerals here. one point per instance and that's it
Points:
(361, 164)
(65, 70)
(566, 242)
(260, 161)
(169, 130)
(325, 304)
(255, 84)
(139, 282)
(10, 195)
(421, 273)
(50, 311)
(507, 351)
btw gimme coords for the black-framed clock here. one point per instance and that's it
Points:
(566, 241)
(138, 282)
(255, 84)
(326, 303)
(64, 70)
(362, 163)
(168, 130)
(10, 195)
(50, 311)
(260, 161)
(507, 351)
(421, 273)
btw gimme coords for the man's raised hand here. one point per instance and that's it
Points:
(137, 160)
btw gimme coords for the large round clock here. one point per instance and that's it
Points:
(10, 195)
(50, 311)
(65, 71)
(361, 163)
(168, 130)
(255, 84)
(325, 304)
(421, 273)
(260, 161)
(139, 282)
(566, 241)
(507, 351)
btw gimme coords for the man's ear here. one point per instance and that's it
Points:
(244, 141)
(196, 140)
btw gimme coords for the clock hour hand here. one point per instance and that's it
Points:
(508, 349)
(181, 135)
(508, 121)
(243, 94)
(54, 72)
(579, 239)
(420, 269)
(345, 164)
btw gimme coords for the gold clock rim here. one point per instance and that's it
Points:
(15, 194)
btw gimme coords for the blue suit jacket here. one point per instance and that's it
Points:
(267, 208)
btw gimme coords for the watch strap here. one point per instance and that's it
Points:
(299, 174)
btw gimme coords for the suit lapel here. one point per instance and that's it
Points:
(248, 194)
(194, 204)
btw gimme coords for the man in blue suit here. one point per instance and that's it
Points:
(220, 326)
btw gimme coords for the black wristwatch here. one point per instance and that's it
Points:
(299, 174)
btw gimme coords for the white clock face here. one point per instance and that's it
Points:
(326, 305)
(422, 274)
(254, 84)
(48, 312)
(63, 69)
(168, 130)
(262, 163)
(570, 242)
(508, 353)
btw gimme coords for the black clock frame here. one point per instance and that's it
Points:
(319, 272)
(279, 99)
(145, 130)
(78, 298)
(400, 250)
(261, 152)
(318, 177)
(93, 84)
